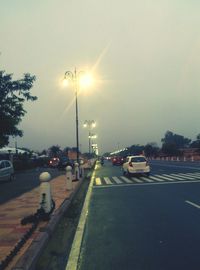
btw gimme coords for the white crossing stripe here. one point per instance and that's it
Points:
(147, 179)
(165, 177)
(185, 176)
(156, 178)
(107, 180)
(152, 178)
(176, 177)
(126, 180)
(135, 179)
(98, 181)
(197, 175)
(193, 204)
(117, 180)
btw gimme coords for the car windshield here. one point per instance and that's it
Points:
(138, 159)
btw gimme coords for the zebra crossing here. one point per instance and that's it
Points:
(156, 178)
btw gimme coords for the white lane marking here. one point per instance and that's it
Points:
(148, 184)
(146, 179)
(98, 181)
(74, 255)
(179, 178)
(165, 177)
(137, 180)
(156, 178)
(127, 180)
(193, 204)
(107, 180)
(117, 180)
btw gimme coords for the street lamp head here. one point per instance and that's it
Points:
(89, 123)
(86, 80)
(65, 82)
(92, 136)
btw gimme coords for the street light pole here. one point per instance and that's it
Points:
(77, 133)
(74, 78)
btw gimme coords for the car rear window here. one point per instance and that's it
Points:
(138, 159)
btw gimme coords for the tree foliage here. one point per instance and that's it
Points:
(13, 94)
(151, 149)
(55, 150)
(196, 143)
(172, 143)
(136, 149)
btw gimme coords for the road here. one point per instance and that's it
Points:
(144, 223)
(24, 181)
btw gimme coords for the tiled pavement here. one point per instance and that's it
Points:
(14, 210)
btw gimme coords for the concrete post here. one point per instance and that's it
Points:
(45, 192)
(69, 178)
(81, 169)
(76, 171)
(184, 159)
(192, 158)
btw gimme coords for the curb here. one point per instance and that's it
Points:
(74, 255)
(30, 257)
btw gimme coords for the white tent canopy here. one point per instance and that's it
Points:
(10, 150)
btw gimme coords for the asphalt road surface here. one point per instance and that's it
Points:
(142, 223)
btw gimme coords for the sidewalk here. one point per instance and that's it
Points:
(11, 213)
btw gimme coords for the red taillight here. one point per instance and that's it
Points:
(130, 164)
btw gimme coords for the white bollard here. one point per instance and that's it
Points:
(184, 159)
(177, 159)
(192, 158)
(81, 169)
(76, 171)
(69, 178)
(46, 202)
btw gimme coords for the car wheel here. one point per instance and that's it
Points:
(128, 174)
(148, 174)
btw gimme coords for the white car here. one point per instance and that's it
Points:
(136, 165)
(6, 171)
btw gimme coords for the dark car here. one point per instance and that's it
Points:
(64, 162)
(117, 160)
(53, 162)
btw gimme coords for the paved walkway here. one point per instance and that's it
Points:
(14, 210)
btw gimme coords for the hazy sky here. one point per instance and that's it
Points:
(145, 56)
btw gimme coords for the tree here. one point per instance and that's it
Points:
(173, 142)
(55, 150)
(13, 94)
(196, 143)
(179, 140)
(136, 149)
(151, 149)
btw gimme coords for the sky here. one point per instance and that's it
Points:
(144, 57)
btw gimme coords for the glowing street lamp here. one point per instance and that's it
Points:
(89, 124)
(78, 79)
